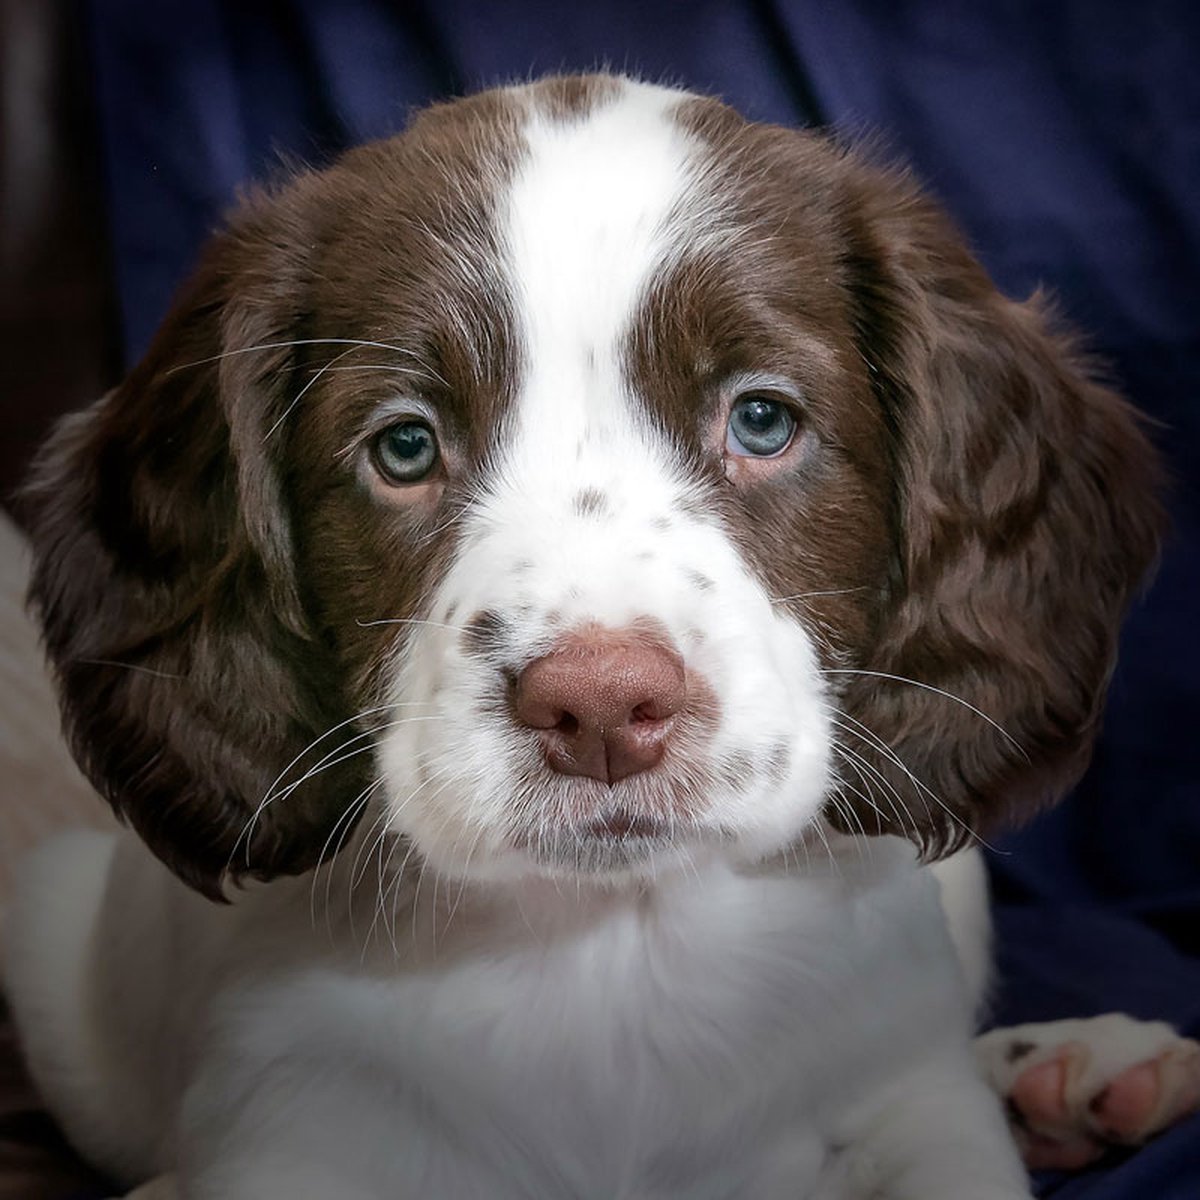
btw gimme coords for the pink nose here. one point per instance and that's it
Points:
(604, 702)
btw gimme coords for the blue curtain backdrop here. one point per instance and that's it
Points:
(1065, 139)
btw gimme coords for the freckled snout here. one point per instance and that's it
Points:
(604, 702)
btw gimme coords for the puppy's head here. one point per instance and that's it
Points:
(585, 481)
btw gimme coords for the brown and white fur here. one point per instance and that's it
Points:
(554, 574)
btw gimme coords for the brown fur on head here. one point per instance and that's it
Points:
(204, 564)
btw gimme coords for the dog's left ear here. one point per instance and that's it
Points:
(189, 677)
(1027, 516)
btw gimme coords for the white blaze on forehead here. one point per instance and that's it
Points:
(589, 517)
(587, 225)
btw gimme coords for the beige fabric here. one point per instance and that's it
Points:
(40, 787)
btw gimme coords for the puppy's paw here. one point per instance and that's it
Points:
(1074, 1088)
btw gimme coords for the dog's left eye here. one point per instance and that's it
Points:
(405, 452)
(759, 427)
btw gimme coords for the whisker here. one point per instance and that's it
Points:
(336, 756)
(412, 849)
(923, 789)
(270, 795)
(387, 885)
(447, 524)
(111, 662)
(380, 906)
(819, 827)
(331, 759)
(366, 845)
(404, 621)
(462, 887)
(851, 818)
(290, 344)
(808, 595)
(345, 822)
(864, 733)
(381, 864)
(372, 367)
(366, 712)
(287, 412)
(937, 692)
(859, 765)
(393, 887)
(416, 900)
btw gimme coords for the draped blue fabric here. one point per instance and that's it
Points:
(1065, 138)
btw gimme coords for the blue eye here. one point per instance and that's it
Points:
(759, 427)
(405, 452)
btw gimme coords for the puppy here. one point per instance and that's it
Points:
(553, 580)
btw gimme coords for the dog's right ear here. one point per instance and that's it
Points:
(189, 679)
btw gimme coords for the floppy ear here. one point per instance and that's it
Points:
(1027, 515)
(164, 579)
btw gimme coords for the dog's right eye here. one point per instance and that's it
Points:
(760, 427)
(405, 452)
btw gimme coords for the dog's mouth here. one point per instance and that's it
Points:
(622, 824)
(615, 841)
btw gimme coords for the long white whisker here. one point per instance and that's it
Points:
(341, 754)
(275, 793)
(808, 595)
(366, 844)
(112, 662)
(819, 826)
(391, 812)
(374, 367)
(452, 520)
(289, 344)
(890, 790)
(386, 885)
(404, 621)
(851, 817)
(345, 823)
(369, 793)
(874, 740)
(287, 412)
(860, 765)
(938, 692)
(856, 728)
(315, 742)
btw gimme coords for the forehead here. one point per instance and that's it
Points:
(523, 243)
(596, 204)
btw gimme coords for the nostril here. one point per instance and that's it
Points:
(568, 725)
(649, 711)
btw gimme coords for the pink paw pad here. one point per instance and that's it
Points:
(1048, 1135)
(1074, 1089)
(1149, 1096)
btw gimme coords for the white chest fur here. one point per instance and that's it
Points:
(716, 1036)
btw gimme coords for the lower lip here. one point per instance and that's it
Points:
(624, 826)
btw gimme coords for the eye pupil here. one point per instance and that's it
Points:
(405, 452)
(759, 427)
(408, 441)
(759, 415)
